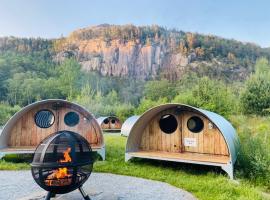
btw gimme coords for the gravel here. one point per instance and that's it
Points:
(19, 185)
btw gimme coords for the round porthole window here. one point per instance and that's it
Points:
(44, 118)
(168, 123)
(113, 121)
(195, 124)
(106, 121)
(71, 119)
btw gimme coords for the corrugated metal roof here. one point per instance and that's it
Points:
(127, 125)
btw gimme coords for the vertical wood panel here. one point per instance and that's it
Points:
(209, 141)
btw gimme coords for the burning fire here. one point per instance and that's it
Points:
(67, 157)
(60, 176)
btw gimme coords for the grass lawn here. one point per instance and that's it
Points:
(205, 183)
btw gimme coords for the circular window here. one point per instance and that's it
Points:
(195, 124)
(113, 121)
(71, 119)
(44, 118)
(168, 123)
(106, 121)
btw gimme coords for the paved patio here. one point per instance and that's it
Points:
(19, 185)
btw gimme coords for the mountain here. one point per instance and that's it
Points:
(145, 52)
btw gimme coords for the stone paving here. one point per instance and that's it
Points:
(19, 185)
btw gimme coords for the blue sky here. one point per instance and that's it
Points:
(244, 20)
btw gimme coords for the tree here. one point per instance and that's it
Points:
(6, 111)
(69, 74)
(146, 104)
(155, 90)
(256, 97)
(209, 94)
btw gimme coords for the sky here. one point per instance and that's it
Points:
(244, 20)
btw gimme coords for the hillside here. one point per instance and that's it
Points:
(144, 52)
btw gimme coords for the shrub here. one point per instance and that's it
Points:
(256, 97)
(6, 111)
(146, 104)
(254, 158)
(211, 95)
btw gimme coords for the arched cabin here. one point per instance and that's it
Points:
(181, 133)
(110, 123)
(28, 127)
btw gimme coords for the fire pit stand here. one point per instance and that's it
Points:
(85, 196)
(62, 163)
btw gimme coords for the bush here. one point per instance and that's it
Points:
(6, 112)
(154, 90)
(211, 95)
(146, 104)
(254, 159)
(253, 162)
(104, 105)
(256, 97)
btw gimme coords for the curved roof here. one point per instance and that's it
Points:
(10, 123)
(221, 123)
(100, 120)
(127, 125)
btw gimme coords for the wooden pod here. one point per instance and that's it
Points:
(109, 123)
(28, 127)
(181, 133)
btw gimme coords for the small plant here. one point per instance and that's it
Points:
(254, 158)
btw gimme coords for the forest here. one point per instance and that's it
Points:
(28, 73)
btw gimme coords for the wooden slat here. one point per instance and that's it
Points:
(183, 156)
(26, 133)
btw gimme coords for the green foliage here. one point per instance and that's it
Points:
(209, 94)
(254, 158)
(256, 96)
(104, 105)
(69, 73)
(6, 111)
(155, 90)
(146, 104)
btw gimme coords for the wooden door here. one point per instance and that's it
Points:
(154, 139)
(208, 141)
(191, 141)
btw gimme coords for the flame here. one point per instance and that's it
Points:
(67, 157)
(60, 173)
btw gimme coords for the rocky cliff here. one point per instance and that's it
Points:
(125, 59)
(148, 52)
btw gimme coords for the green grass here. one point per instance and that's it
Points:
(206, 183)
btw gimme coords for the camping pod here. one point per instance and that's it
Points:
(127, 125)
(181, 133)
(110, 123)
(33, 123)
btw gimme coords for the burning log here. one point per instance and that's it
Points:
(60, 176)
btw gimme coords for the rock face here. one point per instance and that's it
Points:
(123, 58)
(146, 52)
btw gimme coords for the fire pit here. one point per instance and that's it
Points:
(62, 163)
